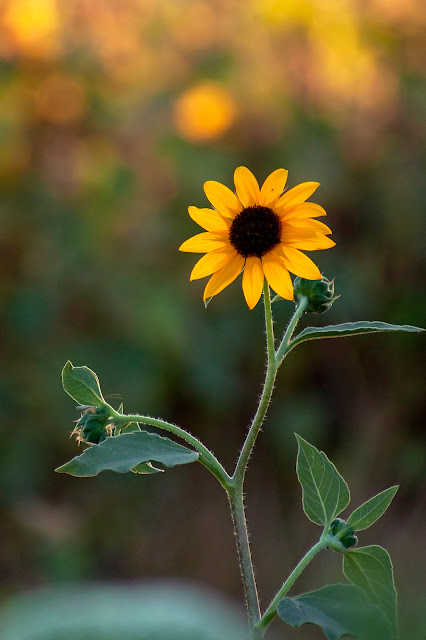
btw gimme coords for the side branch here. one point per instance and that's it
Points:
(271, 611)
(206, 456)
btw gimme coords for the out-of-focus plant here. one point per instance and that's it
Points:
(154, 611)
(261, 232)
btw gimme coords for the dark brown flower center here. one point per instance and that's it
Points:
(255, 231)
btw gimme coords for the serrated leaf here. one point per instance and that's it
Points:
(369, 512)
(339, 609)
(325, 492)
(82, 384)
(125, 452)
(370, 568)
(349, 329)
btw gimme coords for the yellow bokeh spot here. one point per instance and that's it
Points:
(33, 26)
(278, 13)
(204, 112)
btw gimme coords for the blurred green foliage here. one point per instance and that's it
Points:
(155, 611)
(112, 115)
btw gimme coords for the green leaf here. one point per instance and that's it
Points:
(145, 468)
(207, 302)
(372, 510)
(125, 452)
(82, 384)
(370, 568)
(349, 329)
(340, 609)
(325, 493)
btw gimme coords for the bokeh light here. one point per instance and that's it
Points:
(32, 27)
(204, 112)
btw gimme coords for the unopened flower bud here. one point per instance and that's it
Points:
(93, 426)
(320, 294)
(347, 540)
(337, 525)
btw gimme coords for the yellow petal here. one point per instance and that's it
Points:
(273, 187)
(307, 240)
(246, 186)
(224, 276)
(253, 278)
(295, 196)
(305, 210)
(222, 198)
(211, 262)
(306, 223)
(299, 264)
(277, 275)
(208, 219)
(204, 242)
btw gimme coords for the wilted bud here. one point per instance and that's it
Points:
(348, 540)
(93, 426)
(320, 293)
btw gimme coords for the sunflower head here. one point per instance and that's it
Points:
(258, 231)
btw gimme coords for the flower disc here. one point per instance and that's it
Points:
(255, 231)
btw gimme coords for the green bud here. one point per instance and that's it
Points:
(349, 540)
(341, 543)
(320, 293)
(93, 426)
(337, 525)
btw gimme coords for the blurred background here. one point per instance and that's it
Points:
(112, 115)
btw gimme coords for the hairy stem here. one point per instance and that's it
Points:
(206, 457)
(244, 557)
(267, 390)
(284, 347)
(236, 495)
(271, 611)
(233, 485)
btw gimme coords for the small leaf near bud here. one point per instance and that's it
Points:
(320, 294)
(82, 384)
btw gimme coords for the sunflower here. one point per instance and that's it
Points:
(260, 231)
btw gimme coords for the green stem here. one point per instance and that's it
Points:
(234, 485)
(206, 457)
(236, 500)
(236, 495)
(236, 503)
(271, 611)
(265, 398)
(284, 347)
